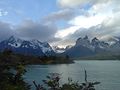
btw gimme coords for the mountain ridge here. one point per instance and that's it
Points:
(82, 48)
(27, 47)
(86, 47)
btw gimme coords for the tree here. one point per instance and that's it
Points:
(11, 71)
(53, 83)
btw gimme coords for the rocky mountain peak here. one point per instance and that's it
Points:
(95, 39)
(34, 47)
(86, 37)
(13, 39)
(83, 41)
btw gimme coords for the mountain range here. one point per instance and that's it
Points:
(26, 47)
(86, 47)
(82, 48)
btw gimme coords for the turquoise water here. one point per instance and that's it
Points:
(106, 72)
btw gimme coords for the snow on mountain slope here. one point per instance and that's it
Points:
(15, 42)
(28, 46)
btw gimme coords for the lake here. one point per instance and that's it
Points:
(106, 72)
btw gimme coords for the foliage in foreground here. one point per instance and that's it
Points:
(53, 83)
(12, 69)
(11, 72)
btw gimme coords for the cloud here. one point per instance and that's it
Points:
(65, 32)
(29, 30)
(71, 3)
(35, 30)
(95, 18)
(105, 31)
(5, 30)
(80, 3)
(87, 22)
(99, 18)
(3, 12)
(65, 14)
(81, 21)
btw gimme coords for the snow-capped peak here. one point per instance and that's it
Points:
(17, 44)
(14, 39)
(14, 42)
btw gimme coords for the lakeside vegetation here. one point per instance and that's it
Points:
(11, 72)
(28, 60)
(12, 68)
(52, 82)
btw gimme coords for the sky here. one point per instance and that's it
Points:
(60, 22)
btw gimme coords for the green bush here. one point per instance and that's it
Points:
(53, 83)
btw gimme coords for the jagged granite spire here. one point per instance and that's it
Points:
(83, 41)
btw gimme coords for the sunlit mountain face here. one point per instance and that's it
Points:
(60, 22)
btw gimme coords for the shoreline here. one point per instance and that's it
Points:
(71, 62)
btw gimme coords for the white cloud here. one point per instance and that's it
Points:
(102, 20)
(87, 22)
(63, 33)
(65, 14)
(3, 12)
(97, 14)
(75, 3)
(83, 21)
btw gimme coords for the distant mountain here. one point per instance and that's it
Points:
(81, 48)
(78, 51)
(68, 47)
(27, 47)
(58, 49)
(115, 47)
(86, 47)
(99, 46)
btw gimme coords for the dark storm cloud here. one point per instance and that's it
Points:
(5, 30)
(29, 30)
(35, 30)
